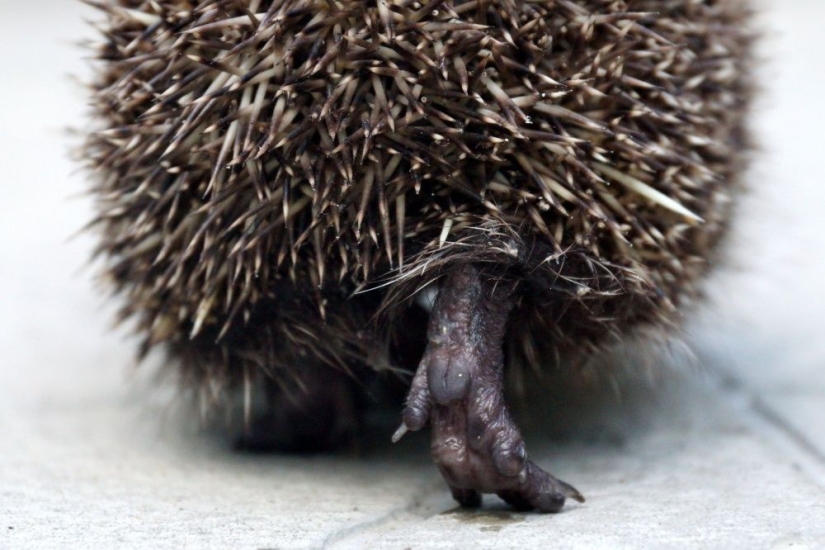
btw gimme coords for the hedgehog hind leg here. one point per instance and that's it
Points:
(315, 410)
(458, 388)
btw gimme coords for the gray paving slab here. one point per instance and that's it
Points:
(92, 456)
(697, 478)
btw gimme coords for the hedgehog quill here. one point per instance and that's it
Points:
(278, 183)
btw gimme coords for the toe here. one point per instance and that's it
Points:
(551, 502)
(509, 458)
(467, 498)
(545, 492)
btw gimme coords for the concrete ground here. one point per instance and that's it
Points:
(727, 454)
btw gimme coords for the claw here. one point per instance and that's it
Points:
(571, 492)
(399, 433)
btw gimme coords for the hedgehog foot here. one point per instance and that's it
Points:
(458, 388)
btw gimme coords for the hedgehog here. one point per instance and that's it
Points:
(297, 196)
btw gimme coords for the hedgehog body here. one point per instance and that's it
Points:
(277, 180)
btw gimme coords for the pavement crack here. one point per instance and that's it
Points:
(768, 423)
(424, 503)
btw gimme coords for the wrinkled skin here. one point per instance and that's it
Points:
(458, 388)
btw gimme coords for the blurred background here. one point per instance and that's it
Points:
(86, 460)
